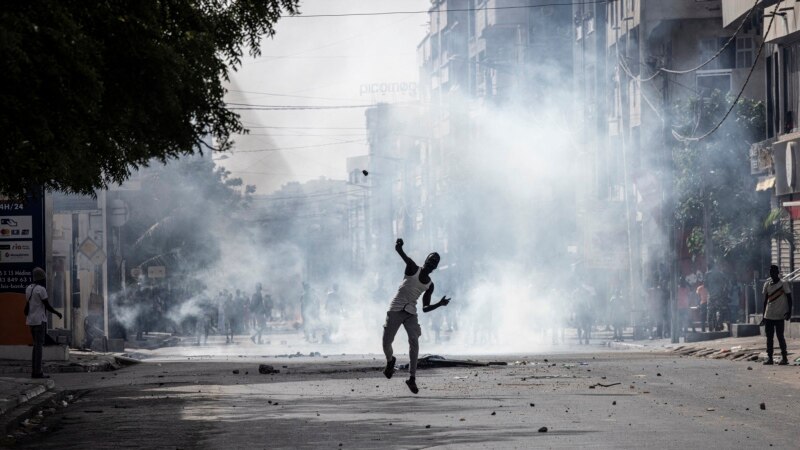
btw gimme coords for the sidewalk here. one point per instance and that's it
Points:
(753, 348)
(16, 391)
(79, 361)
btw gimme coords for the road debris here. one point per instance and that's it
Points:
(543, 430)
(763, 406)
(236, 371)
(266, 369)
(604, 385)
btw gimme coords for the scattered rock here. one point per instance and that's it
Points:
(532, 405)
(658, 374)
(236, 372)
(749, 368)
(543, 430)
(494, 413)
(266, 369)
(614, 402)
(427, 426)
(710, 409)
(763, 405)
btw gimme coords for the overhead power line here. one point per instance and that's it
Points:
(728, 43)
(307, 128)
(686, 139)
(246, 107)
(425, 11)
(273, 94)
(279, 149)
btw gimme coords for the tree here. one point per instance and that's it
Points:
(179, 216)
(717, 203)
(93, 90)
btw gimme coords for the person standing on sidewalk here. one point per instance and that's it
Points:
(777, 308)
(37, 309)
(717, 285)
(702, 293)
(403, 311)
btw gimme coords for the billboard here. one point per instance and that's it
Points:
(22, 247)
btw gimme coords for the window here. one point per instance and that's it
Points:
(713, 80)
(710, 47)
(745, 52)
(590, 25)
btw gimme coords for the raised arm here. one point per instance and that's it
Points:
(411, 266)
(426, 301)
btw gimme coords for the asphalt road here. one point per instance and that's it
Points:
(661, 401)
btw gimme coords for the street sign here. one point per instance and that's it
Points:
(88, 248)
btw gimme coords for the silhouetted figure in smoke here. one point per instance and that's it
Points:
(258, 313)
(229, 309)
(240, 307)
(205, 319)
(702, 308)
(618, 311)
(717, 284)
(584, 312)
(403, 311)
(334, 311)
(777, 309)
(309, 311)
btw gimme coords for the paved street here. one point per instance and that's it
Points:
(322, 403)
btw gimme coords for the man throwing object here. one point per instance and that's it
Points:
(403, 311)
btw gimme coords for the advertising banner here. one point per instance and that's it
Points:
(22, 247)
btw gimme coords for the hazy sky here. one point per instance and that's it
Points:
(313, 62)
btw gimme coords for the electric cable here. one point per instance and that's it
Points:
(246, 107)
(392, 13)
(727, 44)
(280, 149)
(685, 139)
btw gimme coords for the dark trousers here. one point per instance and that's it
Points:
(38, 332)
(772, 327)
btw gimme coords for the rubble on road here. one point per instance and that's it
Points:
(266, 369)
(434, 361)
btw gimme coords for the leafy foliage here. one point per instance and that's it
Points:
(93, 89)
(182, 213)
(713, 178)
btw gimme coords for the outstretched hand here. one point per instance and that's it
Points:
(444, 301)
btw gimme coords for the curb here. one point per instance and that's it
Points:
(14, 419)
(625, 346)
(26, 395)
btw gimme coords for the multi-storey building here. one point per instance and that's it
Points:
(634, 61)
(774, 160)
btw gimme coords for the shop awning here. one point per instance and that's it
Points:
(765, 182)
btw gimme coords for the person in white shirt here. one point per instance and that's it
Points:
(403, 311)
(37, 308)
(777, 309)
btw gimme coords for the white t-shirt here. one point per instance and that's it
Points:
(36, 312)
(408, 293)
(777, 303)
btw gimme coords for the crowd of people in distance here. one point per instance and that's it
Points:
(234, 312)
